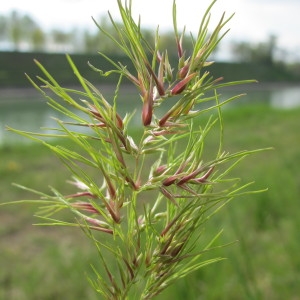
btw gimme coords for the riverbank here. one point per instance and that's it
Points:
(15, 64)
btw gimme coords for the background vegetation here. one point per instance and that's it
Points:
(25, 40)
(20, 32)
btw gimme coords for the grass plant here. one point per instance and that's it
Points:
(144, 200)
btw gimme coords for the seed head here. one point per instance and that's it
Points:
(147, 108)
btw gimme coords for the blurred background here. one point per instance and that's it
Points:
(263, 43)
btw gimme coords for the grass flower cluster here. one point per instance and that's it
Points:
(143, 200)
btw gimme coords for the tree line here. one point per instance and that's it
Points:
(20, 32)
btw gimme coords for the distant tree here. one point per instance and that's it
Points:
(271, 47)
(91, 42)
(16, 29)
(28, 24)
(19, 29)
(60, 36)
(38, 39)
(3, 28)
(242, 51)
(263, 52)
(61, 39)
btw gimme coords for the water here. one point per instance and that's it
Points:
(27, 110)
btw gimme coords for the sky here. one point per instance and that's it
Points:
(254, 20)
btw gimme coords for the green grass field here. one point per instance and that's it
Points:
(51, 263)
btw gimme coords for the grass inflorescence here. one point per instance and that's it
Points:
(144, 200)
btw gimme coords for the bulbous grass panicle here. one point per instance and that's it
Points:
(146, 222)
